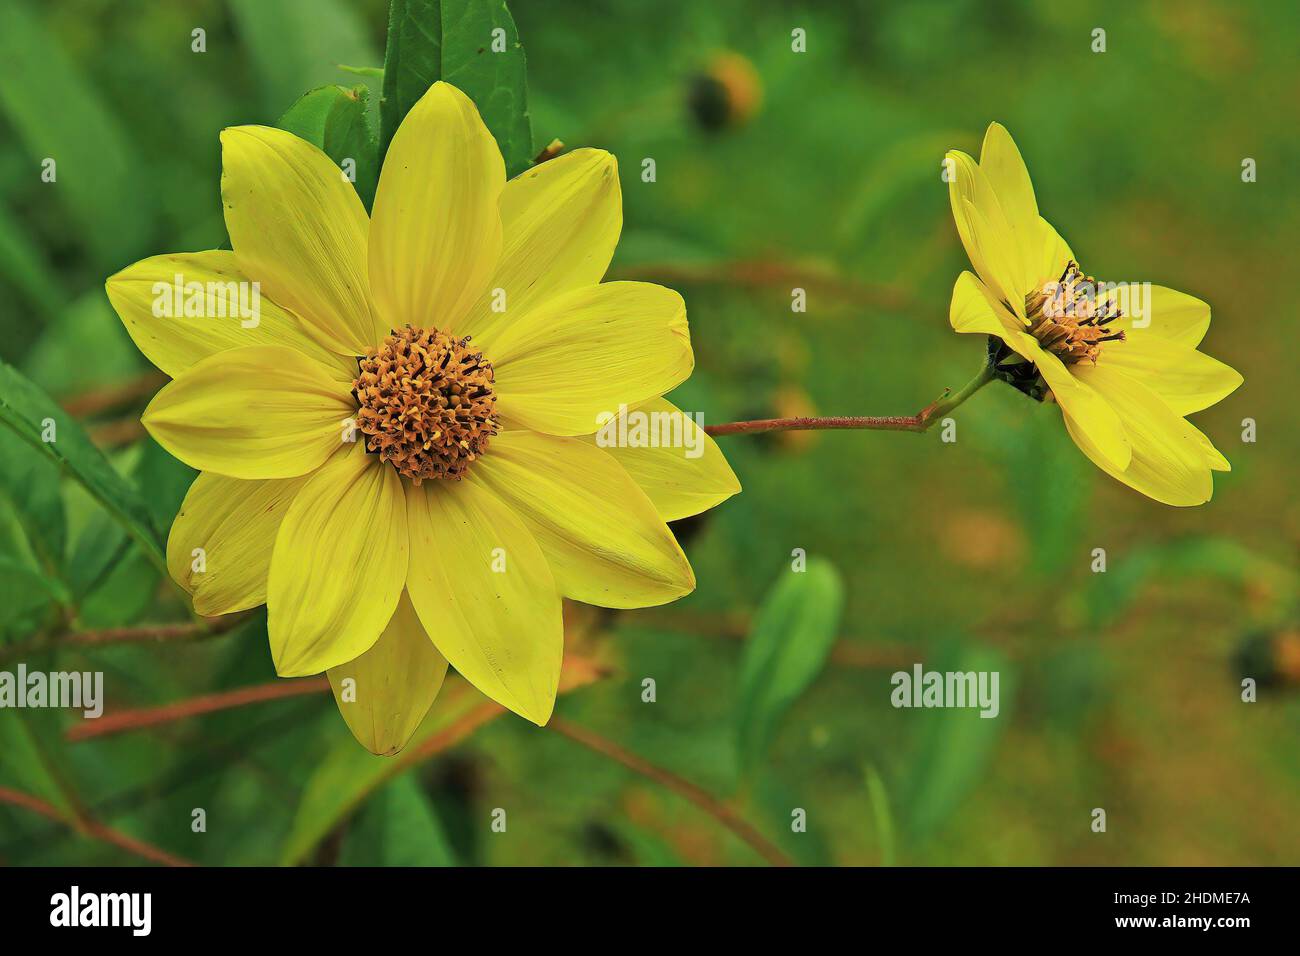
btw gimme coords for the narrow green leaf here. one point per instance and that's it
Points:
(29, 485)
(471, 44)
(881, 815)
(398, 827)
(792, 636)
(335, 119)
(350, 774)
(33, 416)
(956, 745)
(28, 738)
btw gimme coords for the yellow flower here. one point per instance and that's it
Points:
(1119, 358)
(398, 455)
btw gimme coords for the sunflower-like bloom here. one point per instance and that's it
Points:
(1119, 358)
(399, 455)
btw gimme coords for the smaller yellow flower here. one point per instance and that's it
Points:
(1119, 358)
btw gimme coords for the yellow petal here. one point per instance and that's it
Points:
(1169, 314)
(264, 411)
(1213, 457)
(1004, 168)
(1044, 253)
(1186, 379)
(588, 351)
(234, 523)
(235, 315)
(483, 589)
(1090, 411)
(339, 565)
(604, 540)
(299, 228)
(990, 242)
(1169, 463)
(1049, 255)
(560, 221)
(392, 685)
(974, 309)
(684, 474)
(436, 232)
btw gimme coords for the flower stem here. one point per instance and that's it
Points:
(710, 804)
(919, 422)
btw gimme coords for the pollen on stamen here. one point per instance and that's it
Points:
(426, 403)
(1068, 319)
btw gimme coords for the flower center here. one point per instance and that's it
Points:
(426, 403)
(1067, 319)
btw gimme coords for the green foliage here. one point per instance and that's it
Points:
(881, 815)
(453, 40)
(398, 828)
(1109, 595)
(25, 409)
(956, 745)
(336, 119)
(349, 775)
(791, 638)
(1126, 683)
(297, 45)
(60, 116)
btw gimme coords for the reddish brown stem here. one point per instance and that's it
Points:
(114, 396)
(126, 635)
(93, 829)
(143, 717)
(710, 804)
(919, 422)
(896, 423)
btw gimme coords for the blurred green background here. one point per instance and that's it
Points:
(1119, 690)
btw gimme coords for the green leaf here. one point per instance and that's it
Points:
(398, 827)
(29, 412)
(335, 119)
(28, 738)
(164, 481)
(29, 485)
(956, 745)
(792, 636)
(453, 40)
(881, 815)
(349, 774)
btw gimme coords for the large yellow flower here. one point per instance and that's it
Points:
(397, 455)
(1119, 358)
